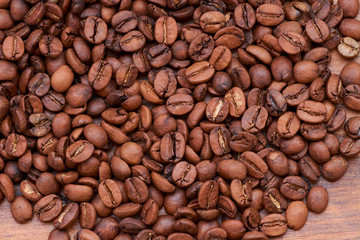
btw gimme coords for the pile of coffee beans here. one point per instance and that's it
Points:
(175, 119)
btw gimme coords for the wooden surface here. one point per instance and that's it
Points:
(340, 221)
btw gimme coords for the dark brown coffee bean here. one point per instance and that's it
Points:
(184, 174)
(244, 16)
(317, 199)
(149, 212)
(136, 190)
(311, 111)
(95, 30)
(48, 208)
(67, 217)
(199, 72)
(273, 225)
(107, 228)
(350, 147)
(317, 30)
(84, 234)
(39, 85)
(351, 96)
(100, 74)
(296, 215)
(165, 30)
(180, 104)
(269, 14)
(292, 42)
(335, 168)
(201, 47)
(58, 234)
(208, 194)
(124, 21)
(240, 193)
(35, 14)
(110, 193)
(294, 188)
(274, 201)
(50, 46)
(313, 132)
(212, 21)
(309, 169)
(79, 151)
(87, 217)
(350, 8)
(256, 167)
(254, 119)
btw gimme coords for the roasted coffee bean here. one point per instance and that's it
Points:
(254, 119)
(95, 30)
(256, 167)
(110, 193)
(274, 201)
(240, 193)
(244, 16)
(317, 199)
(294, 188)
(269, 14)
(335, 168)
(165, 30)
(48, 208)
(273, 225)
(309, 169)
(292, 42)
(67, 217)
(201, 47)
(296, 215)
(348, 48)
(311, 111)
(208, 194)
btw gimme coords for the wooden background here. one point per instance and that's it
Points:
(340, 221)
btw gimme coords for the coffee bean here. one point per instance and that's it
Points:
(13, 48)
(48, 208)
(244, 16)
(274, 201)
(180, 104)
(95, 30)
(67, 217)
(348, 48)
(84, 234)
(58, 234)
(317, 199)
(317, 30)
(79, 151)
(350, 8)
(296, 215)
(136, 190)
(87, 215)
(292, 42)
(294, 188)
(212, 21)
(254, 119)
(199, 72)
(110, 193)
(184, 174)
(311, 111)
(335, 168)
(241, 193)
(165, 31)
(273, 225)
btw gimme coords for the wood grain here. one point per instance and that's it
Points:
(340, 221)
